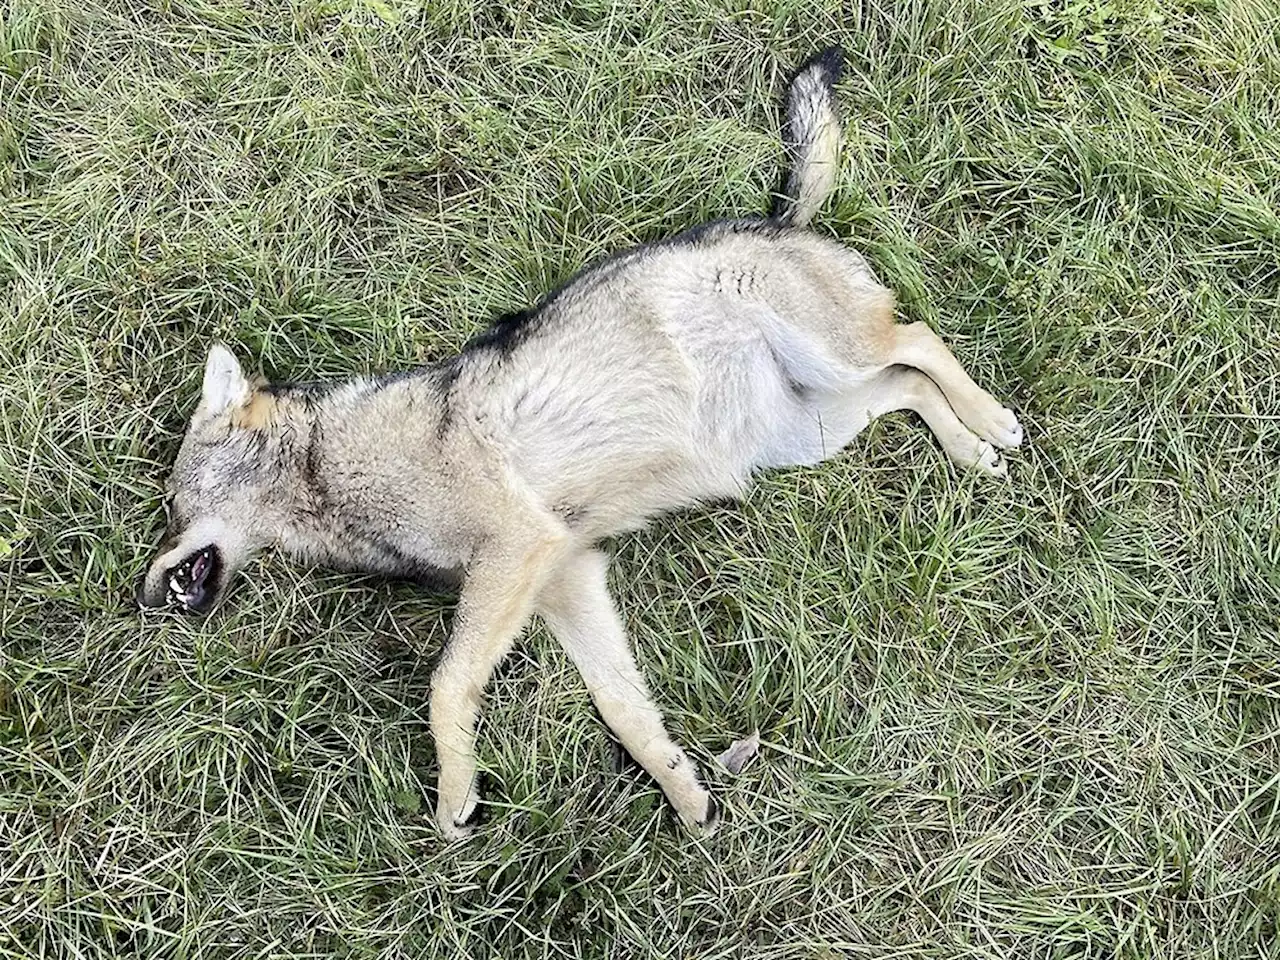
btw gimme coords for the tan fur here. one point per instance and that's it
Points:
(258, 413)
(881, 329)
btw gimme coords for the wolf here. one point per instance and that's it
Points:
(663, 377)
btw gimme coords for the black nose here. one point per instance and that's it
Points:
(141, 596)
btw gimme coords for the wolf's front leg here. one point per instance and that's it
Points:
(497, 598)
(577, 608)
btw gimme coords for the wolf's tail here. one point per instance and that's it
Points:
(812, 137)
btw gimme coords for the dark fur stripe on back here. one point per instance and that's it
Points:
(511, 329)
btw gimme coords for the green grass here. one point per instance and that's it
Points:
(1028, 719)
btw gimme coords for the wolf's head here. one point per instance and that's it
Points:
(228, 493)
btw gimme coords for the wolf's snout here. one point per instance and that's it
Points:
(191, 586)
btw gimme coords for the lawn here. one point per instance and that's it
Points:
(1029, 718)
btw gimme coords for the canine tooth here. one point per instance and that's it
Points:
(174, 585)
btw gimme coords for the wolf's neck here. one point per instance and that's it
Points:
(382, 414)
(369, 491)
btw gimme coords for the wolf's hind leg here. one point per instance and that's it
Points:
(915, 345)
(580, 614)
(497, 599)
(906, 388)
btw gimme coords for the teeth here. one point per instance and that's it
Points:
(186, 581)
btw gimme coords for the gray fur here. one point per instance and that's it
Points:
(662, 378)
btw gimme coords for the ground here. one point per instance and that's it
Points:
(1025, 718)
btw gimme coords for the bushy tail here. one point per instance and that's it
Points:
(812, 136)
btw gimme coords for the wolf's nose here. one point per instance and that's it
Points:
(141, 596)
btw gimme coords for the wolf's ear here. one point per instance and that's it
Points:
(224, 383)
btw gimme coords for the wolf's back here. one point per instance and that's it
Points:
(812, 136)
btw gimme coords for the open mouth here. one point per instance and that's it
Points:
(193, 584)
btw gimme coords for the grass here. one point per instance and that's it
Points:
(1026, 719)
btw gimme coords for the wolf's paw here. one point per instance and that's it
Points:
(991, 461)
(996, 424)
(457, 822)
(703, 818)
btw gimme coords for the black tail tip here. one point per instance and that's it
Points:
(829, 61)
